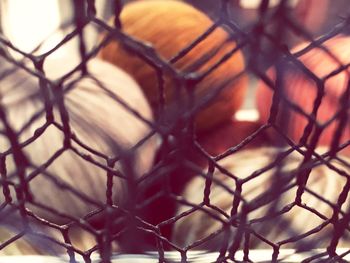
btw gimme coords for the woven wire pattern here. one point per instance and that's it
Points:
(148, 217)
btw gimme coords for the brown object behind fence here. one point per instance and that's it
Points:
(171, 26)
(134, 224)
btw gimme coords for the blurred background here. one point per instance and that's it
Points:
(48, 28)
(36, 26)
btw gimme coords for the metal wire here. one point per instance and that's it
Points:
(222, 206)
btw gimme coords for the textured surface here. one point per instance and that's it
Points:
(170, 26)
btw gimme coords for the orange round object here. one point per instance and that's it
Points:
(299, 89)
(170, 26)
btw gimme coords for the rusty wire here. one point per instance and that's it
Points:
(151, 228)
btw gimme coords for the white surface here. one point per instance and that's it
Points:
(27, 23)
(247, 115)
(254, 4)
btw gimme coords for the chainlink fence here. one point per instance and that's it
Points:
(89, 168)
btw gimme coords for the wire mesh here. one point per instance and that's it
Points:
(88, 168)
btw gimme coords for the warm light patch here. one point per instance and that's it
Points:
(253, 4)
(28, 23)
(247, 115)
